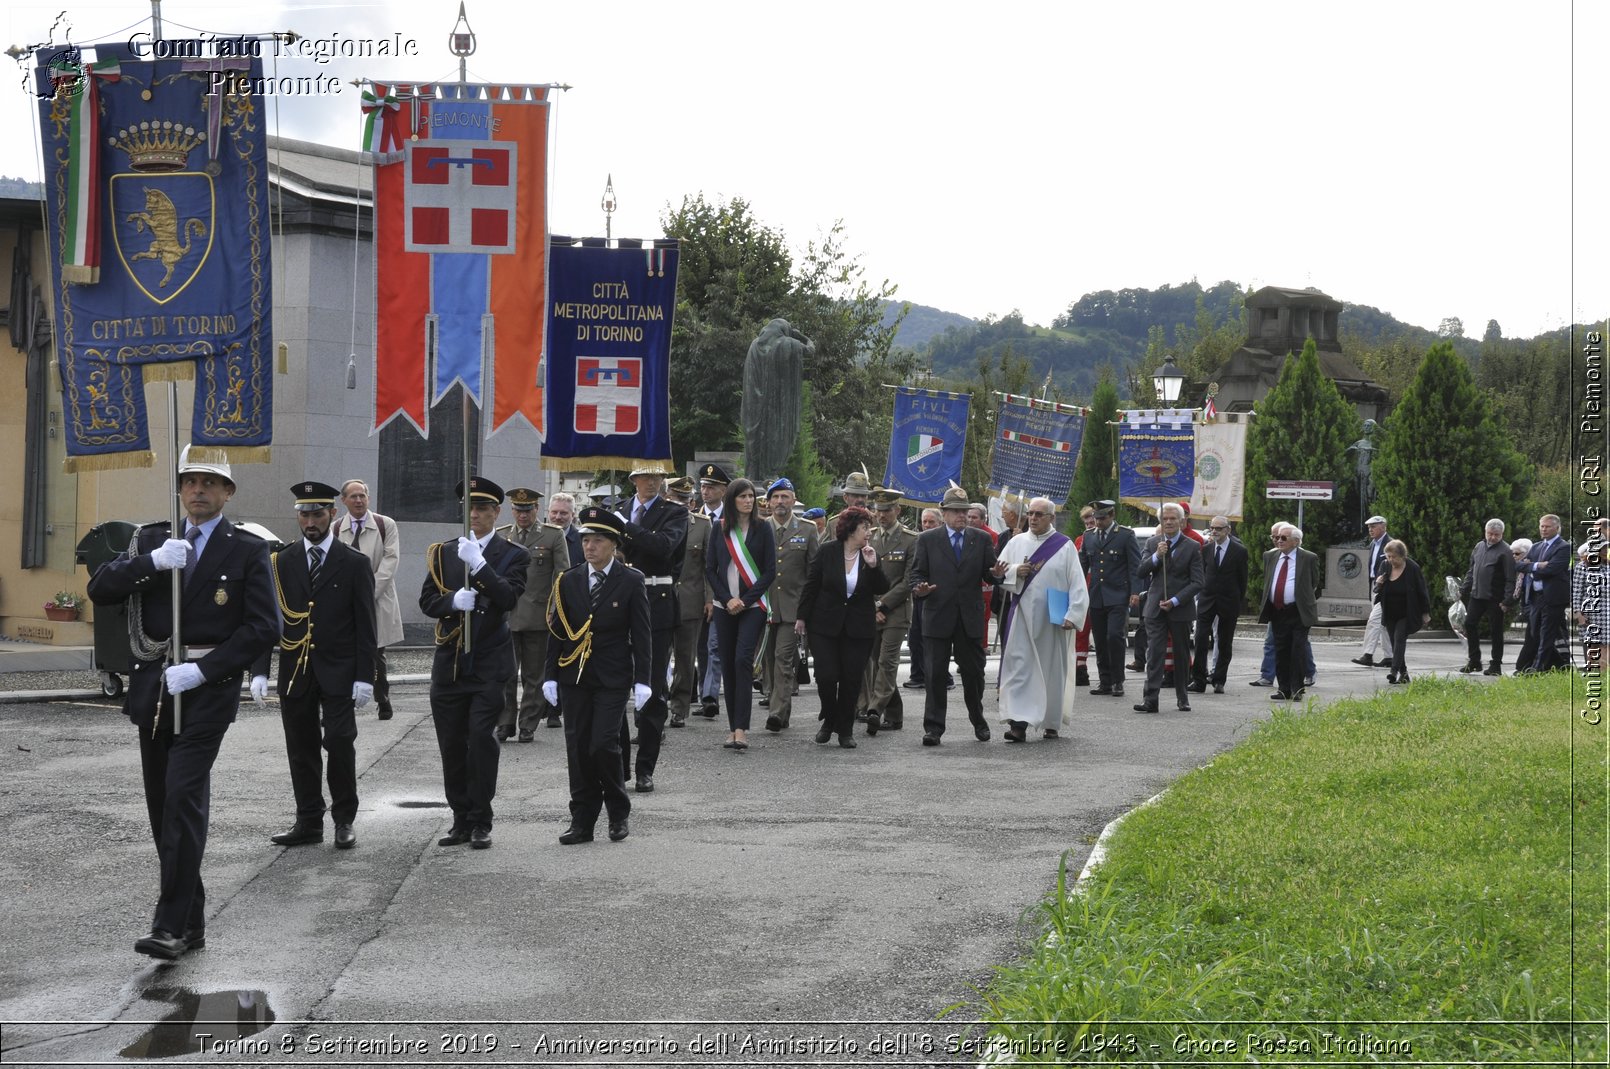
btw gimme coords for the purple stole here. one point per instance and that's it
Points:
(1047, 550)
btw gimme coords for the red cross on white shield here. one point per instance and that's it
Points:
(460, 196)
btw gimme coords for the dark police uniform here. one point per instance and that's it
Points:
(466, 686)
(1110, 559)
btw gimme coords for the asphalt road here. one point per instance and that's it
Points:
(768, 905)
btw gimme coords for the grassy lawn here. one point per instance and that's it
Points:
(1418, 877)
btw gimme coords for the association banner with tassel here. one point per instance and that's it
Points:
(1036, 446)
(156, 203)
(926, 443)
(1156, 456)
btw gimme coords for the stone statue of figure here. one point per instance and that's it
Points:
(774, 371)
(1365, 450)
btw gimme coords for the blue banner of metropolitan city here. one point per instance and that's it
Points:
(1036, 447)
(609, 356)
(1156, 462)
(156, 198)
(925, 446)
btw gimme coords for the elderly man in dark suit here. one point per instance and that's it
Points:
(951, 564)
(599, 656)
(1545, 574)
(1290, 606)
(1172, 565)
(1218, 607)
(227, 621)
(1110, 556)
(326, 594)
(472, 582)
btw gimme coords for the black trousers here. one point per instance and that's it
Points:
(1549, 623)
(178, 799)
(650, 719)
(1289, 635)
(1397, 629)
(1107, 636)
(737, 638)
(1490, 610)
(1215, 627)
(1160, 630)
(840, 664)
(309, 720)
(593, 723)
(914, 642)
(382, 685)
(466, 714)
(969, 655)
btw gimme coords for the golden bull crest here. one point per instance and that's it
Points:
(163, 227)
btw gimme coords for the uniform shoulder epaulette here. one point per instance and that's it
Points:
(154, 523)
(254, 536)
(505, 527)
(555, 526)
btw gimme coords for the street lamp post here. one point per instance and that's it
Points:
(1167, 381)
(608, 204)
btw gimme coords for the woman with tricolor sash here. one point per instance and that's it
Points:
(740, 565)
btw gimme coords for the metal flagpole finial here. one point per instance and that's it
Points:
(461, 42)
(608, 203)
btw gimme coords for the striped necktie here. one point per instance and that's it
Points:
(598, 587)
(315, 558)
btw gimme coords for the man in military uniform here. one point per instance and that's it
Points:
(713, 482)
(562, 514)
(857, 489)
(1110, 556)
(653, 530)
(478, 579)
(693, 603)
(228, 620)
(599, 657)
(796, 549)
(326, 594)
(545, 544)
(895, 544)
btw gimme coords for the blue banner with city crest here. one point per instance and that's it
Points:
(156, 197)
(1156, 457)
(1036, 447)
(925, 446)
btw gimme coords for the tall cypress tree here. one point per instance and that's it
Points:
(1301, 430)
(1095, 477)
(1445, 466)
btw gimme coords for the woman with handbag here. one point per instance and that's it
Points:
(838, 610)
(1405, 603)
(740, 562)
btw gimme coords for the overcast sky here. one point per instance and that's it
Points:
(1429, 158)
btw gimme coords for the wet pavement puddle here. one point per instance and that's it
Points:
(212, 1022)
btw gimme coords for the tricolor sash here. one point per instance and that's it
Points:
(748, 573)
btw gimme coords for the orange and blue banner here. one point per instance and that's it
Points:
(461, 246)
(156, 205)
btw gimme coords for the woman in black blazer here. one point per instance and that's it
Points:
(839, 611)
(738, 590)
(1405, 603)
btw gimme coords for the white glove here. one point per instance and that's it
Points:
(464, 600)
(550, 690)
(640, 695)
(260, 689)
(362, 694)
(469, 551)
(183, 677)
(174, 553)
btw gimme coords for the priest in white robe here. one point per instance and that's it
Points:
(1040, 567)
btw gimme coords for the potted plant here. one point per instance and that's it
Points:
(64, 606)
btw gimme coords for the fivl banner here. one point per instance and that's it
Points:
(1221, 466)
(1036, 447)
(609, 356)
(461, 245)
(1156, 457)
(925, 446)
(156, 204)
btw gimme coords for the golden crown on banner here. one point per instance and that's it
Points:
(157, 147)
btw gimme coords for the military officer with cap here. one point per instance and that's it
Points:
(895, 545)
(601, 654)
(653, 531)
(857, 489)
(797, 540)
(693, 603)
(1110, 556)
(227, 621)
(474, 581)
(550, 555)
(326, 594)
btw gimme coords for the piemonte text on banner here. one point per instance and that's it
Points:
(609, 355)
(461, 245)
(156, 205)
(926, 443)
(1036, 447)
(1156, 457)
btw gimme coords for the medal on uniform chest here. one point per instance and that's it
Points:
(220, 597)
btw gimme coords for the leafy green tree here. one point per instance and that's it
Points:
(1301, 430)
(1006, 373)
(812, 483)
(1445, 466)
(1529, 384)
(1096, 476)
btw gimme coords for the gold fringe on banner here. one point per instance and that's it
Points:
(598, 463)
(284, 365)
(919, 504)
(178, 371)
(243, 454)
(109, 462)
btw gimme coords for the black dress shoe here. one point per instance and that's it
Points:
(773, 724)
(161, 944)
(345, 837)
(525, 736)
(709, 710)
(555, 722)
(481, 838)
(1016, 734)
(1183, 707)
(764, 702)
(1493, 670)
(847, 741)
(1218, 688)
(915, 684)
(1196, 688)
(384, 710)
(1145, 707)
(1103, 690)
(502, 734)
(824, 734)
(981, 732)
(1135, 666)
(299, 835)
(930, 739)
(1367, 661)
(645, 783)
(194, 939)
(1117, 690)
(679, 720)
(573, 835)
(618, 830)
(456, 836)
(1051, 733)
(1469, 667)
